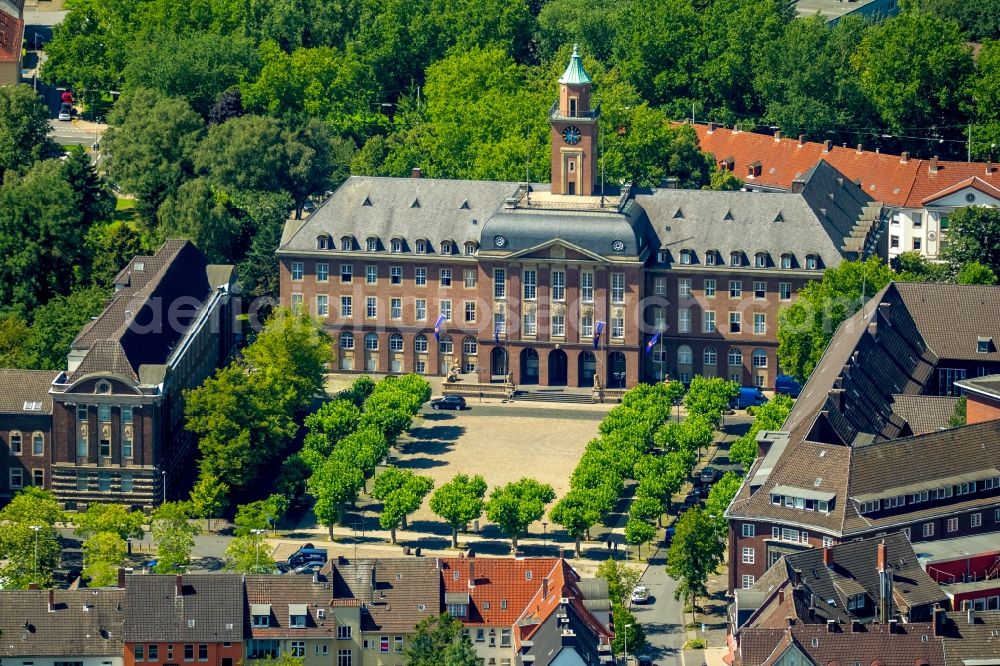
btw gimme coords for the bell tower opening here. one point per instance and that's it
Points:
(574, 132)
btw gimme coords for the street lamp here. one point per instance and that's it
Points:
(256, 561)
(36, 528)
(164, 472)
(627, 627)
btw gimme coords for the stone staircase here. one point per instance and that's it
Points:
(559, 395)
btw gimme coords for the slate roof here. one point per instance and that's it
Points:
(822, 220)
(906, 645)
(402, 587)
(885, 177)
(964, 643)
(210, 610)
(27, 628)
(506, 584)
(20, 387)
(279, 594)
(924, 413)
(951, 318)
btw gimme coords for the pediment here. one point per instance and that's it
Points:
(558, 249)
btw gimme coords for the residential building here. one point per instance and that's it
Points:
(982, 395)
(112, 423)
(564, 283)
(25, 429)
(846, 465)
(970, 637)
(299, 616)
(11, 40)
(921, 193)
(60, 627)
(190, 619)
(393, 595)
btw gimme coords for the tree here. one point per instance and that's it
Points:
(976, 273)
(626, 624)
(401, 492)
(958, 417)
(438, 641)
(621, 578)
(261, 515)
(518, 504)
(35, 506)
(721, 494)
(695, 552)
(199, 213)
(14, 335)
(577, 513)
(173, 534)
(208, 497)
(769, 416)
(980, 21)
(228, 105)
(56, 323)
(103, 554)
(24, 128)
(638, 532)
(92, 196)
(709, 397)
(249, 553)
(110, 246)
(806, 327)
(459, 501)
(244, 153)
(974, 236)
(915, 267)
(333, 483)
(329, 424)
(29, 541)
(266, 213)
(114, 518)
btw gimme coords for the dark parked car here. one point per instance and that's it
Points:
(786, 384)
(748, 397)
(307, 555)
(449, 402)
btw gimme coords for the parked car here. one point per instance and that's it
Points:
(307, 555)
(640, 595)
(708, 475)
(788, 385)
(645, 661)
(449, 402)
(66, 111)
(748, 397)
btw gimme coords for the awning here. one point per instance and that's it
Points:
(456, 598)
(804, 493)
(295, 610)
(260, 609)
(929, 484)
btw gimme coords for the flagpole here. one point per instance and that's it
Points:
(661, 357)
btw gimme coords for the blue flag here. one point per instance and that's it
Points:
(496, 335)
(652, 342)
(437, 327)
(598, 329)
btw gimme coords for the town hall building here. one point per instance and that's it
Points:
(568, 283)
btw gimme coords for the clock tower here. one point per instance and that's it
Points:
(574, 133)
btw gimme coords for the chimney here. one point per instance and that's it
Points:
(711, 127)
(989, 168)
(885, 312)
(826, 146)
(970, 616)
(802, 140)
(855, 627)
(933, 166)
(938, 621)
(121, 578)
(777, 135)
(904, 158)
(545, 588)
(52, 600)
(472, 573)
(790, 621)
(837, 398)
(415, 172)
(882, 557)
(781, 596)
(179, 584)
(859, 149)
(893, 626)
(831, 626)
(828, 557)
(796, 577)
(32, 586)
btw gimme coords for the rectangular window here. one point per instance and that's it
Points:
(298, 648)
(104, 482)
(976, 520)
(749, 529)
(395, 275)
(322, 272)
(776, 531)
(684, 288)
(420, 276)
(346, 306)
(346, 273)
(618, 327)
(444, 308)
(918, 220)
(127, 484)
(759, 323)
(480, 635)
(322, 649)
(505, 637)
(735, 289)
(660, 286)
(684, 321)
(203, 651)
(397, 644)
(470, 278)
(709, 288)
(105, 447)
(38, 478)
(371, 307)
(127, 442)
(587, 326)
(371, 274)
(153, 652)
(788, 534)
(499, 283)
(445, 277)
(558, 285)
(188, 653)
(396, 308)
(759, 289)
(917, 243)
(559, 325)
(928, 529)
(104, 413)
(748, 555)
(587, 287)
(708, 321)
(735, 322)
(345, 657)
(617, 287)
(297, 270)
(529, 323)
(530, 284)
(785, 291)
(827, 542)
(296, 302)
(748, 582)
(139, 652)
(470, 311)
(322, 305)
(344, 632)
(893, 241)
(383, 644)
(82, 481)
(421, 309)
(37, 444)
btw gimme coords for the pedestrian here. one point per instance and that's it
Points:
(609, 544)
(616, 546)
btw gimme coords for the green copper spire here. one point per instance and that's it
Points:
(575, 75)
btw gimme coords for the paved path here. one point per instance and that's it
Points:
(662, 619)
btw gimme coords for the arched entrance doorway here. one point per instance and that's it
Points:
(529, 366)
(616, 370)
(498, 364)
(586, 368)
(557, 367)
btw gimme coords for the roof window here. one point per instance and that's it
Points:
(984, 345)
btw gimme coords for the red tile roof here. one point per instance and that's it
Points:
(891, 179)
(975, 182)
(562, 584)
(503, 586)
(11, 36)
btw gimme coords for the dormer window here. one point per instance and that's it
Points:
(421, 247)
(662, 257)
(446, 247)
(372, 245)
(786, 261)
(760, 260)
(710, 258)
(984, 345)
(346, 244)
(812, 262)
(470, 249)
(687, 257)
(260, 616)
(103, 387)
(322, 243)
(735, 259)
(397, 245)
(297, 614)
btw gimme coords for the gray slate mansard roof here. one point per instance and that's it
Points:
(210, 610)
(69, 630)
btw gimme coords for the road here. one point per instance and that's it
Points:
(71, 134)
(662, 619)
(537, 410)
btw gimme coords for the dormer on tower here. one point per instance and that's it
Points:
(574, 132)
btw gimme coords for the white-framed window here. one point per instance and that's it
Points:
(346, 273)
(709, 356)
(976, 520)
(499, 283)
(735, 357)
(446, 247)
(812, 262)
(420, 276)
(297, 270)
(747, 581)
(371, 274)
(660, 286)
(470, 249)
(749, 530)
(420, 309)
(345, 657)
(396, 308)
(298, 648)
(827, 542)
(684, 321)
(500, 322)
(786, 261)
(735, 258)
(470, 278)
(421, 247)
(346, 244)
(735, 322)
(710, 288)
(372, 245)
(760, 260)
(371, 307)
(371, 341)
(447, 345)
(587, 326)
(395, 275)
(322, 649)
(530, 284)
(558, 285)
(470, 311)
(686, 257)
(445, 277)
(952, 525)
(856, 601)
(322, 272)
(347, 340)
(735, 289)
(785, 291)
(16, 443)
(470, 346)
(708, 321)
(618, 327)
(344, 632)
(684, 356)
(748, 555)
(870, 507)
(397, 245)
(558, 322)
(444, 308)
(684, 288)
(759, 289)
(759, 323)
(928, 529)
(529, 323)
(346, 306)
(420, 343)
(396, 342)
(397, 644)
(322, 305)
(617, 287)
(16, 478)
(587, 286)
(711, 258)
(759, 358)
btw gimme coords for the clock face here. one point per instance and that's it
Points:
(571, 135)
(499, 241)
(618, 246)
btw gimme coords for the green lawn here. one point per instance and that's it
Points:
(125, 210)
